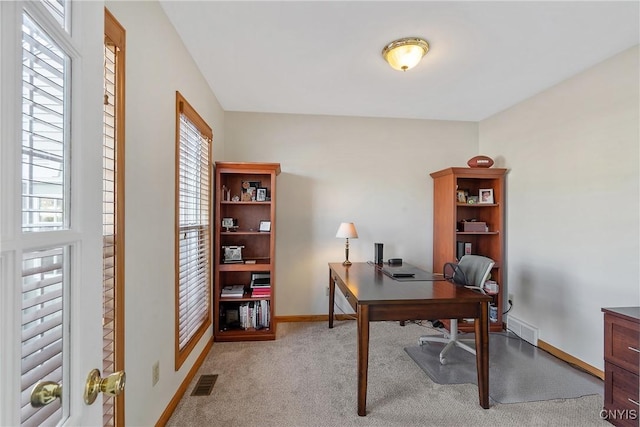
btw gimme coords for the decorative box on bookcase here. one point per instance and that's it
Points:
(457, 199)
(245, 209)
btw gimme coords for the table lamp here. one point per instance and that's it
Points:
(347, 230)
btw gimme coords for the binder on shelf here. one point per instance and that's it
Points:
(459, 249)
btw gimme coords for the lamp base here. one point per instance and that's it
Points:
(346, 253)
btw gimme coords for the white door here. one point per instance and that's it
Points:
(50, 212)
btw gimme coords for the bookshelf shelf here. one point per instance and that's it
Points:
(478, 233)
(245, 233)
(250, 334)
(245, 318)
(258, 266)
(477, 205)
(243, 299)
(226, 202)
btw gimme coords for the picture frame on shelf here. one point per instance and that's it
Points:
(249, 191)
(461, 196)
(485, 195)
(265, 226)
(261, 194)
(232, 254)
(472, 200)
(248, 194)
(468, 248)
(230, 224)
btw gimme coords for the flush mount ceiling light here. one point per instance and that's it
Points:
(404, 54)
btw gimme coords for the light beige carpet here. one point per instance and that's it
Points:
(307, 377)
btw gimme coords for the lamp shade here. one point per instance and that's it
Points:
(404, 54)
(347, 230)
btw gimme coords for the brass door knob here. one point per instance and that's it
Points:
(44, 393)
(111, 385)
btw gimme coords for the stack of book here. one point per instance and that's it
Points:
(232, 291)
(260, 285)
(261, 292)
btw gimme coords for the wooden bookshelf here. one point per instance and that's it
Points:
(236, 198)
(449, 212)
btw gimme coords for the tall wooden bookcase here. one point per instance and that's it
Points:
(245, 198)
(449, 212)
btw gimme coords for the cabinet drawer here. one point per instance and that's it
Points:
(622, 345)
(621, 396)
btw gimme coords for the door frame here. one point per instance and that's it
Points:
(116, 33)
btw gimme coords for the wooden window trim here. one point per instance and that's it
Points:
(183, 107)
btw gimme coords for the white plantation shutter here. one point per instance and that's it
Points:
(58, 9)
(43, 286)
(45, 195)
(193, 239)
(44, 176)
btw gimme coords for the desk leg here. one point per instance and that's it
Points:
(363, 357)
(482, 354)
(332, 291)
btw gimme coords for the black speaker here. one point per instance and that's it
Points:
(378, 253)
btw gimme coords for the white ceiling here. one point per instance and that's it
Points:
(323, 57)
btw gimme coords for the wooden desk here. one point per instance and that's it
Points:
(376, 297)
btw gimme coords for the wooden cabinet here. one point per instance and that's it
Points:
(245, 210)
(621, 360)
(449, 235)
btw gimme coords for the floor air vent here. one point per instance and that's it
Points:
(205, 385)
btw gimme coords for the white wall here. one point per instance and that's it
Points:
(573, 210)
(157, 64)
(374, 172)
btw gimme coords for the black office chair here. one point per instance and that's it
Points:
(471, 271)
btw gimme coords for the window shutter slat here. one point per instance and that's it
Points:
(43, 327)
(40, 418)
(47, 349)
